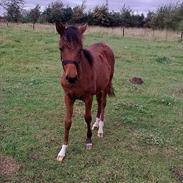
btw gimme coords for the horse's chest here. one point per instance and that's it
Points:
(79, 90)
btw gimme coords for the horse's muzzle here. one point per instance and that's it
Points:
(72, 80)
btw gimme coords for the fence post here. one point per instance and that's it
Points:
(181, 37)
(123, 31)
(166, 34)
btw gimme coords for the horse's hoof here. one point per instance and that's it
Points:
(89, 146)
(100, 135)
(60, 158)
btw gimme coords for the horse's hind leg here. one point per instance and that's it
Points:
(88, 119)
(96, 124)
(101, 122)
(68, 121)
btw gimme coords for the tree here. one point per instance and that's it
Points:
(35, 14)
(168, 17)
(25, 16)
(179, 17)
(137, 20)
(78, 13)
(126, 17)
(13, 9)
(148, 19)
(114, 18)
(54, 12)
(67, 15)
(100, 16)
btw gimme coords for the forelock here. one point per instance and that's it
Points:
(72, 36)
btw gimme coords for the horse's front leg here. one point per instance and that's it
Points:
(68, 121)
(88, 119)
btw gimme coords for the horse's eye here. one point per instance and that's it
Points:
(61, 49)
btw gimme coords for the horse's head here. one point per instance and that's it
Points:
(70, 46)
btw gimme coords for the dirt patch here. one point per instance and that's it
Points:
(136, 80)
(177, 173)
(8, 166)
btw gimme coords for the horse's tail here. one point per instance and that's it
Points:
(111, 61)
(111, 92)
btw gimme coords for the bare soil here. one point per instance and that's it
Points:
(8, 166)
(136, 80)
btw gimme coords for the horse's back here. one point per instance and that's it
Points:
(103, 63)
(102, 53)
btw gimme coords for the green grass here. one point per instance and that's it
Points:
(144, 124)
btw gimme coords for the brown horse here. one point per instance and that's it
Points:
(87, 72)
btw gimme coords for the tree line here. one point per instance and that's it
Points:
(165, 17)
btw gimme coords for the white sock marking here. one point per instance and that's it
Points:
(100, 129)
(96, 124)
(63, 150)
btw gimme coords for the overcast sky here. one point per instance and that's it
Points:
(139, 6)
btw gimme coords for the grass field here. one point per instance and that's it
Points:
(143, 140)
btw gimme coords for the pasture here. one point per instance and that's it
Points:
(143, 139)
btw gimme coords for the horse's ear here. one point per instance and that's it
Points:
(82, 28)
(60, 28)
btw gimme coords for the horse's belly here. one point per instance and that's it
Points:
(102, 84)
(103, 76)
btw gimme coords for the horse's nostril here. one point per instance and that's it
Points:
(71, 80)
(67, 78)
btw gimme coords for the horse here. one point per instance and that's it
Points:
(87, 72)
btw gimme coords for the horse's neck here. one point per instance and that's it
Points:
(86, 69)
(87, 73)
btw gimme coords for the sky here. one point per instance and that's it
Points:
(138, 6)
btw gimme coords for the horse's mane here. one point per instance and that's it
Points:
(88, 56)
(73, 37)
